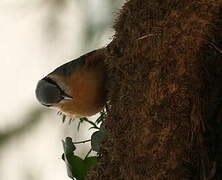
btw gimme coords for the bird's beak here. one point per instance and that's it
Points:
(67, 97)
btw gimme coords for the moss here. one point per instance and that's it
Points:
(157, 75)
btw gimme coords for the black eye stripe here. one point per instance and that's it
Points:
(51, 81)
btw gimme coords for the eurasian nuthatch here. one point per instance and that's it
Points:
(76, 88)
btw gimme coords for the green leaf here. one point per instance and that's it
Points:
(90, 162)
(96, 140)
(68, 145)
(75, 167)
(102, 116)
(88, 121)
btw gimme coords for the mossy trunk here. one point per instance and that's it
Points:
(164, 93)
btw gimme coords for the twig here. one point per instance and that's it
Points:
(217, 48)
(145, 36)
(79, 142)
(88, 153)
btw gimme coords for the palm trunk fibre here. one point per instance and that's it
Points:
(162, 79)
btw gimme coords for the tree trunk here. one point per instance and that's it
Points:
(164, 93)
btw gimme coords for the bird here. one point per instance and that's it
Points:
(76, 88)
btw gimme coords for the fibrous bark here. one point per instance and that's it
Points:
(164, 93)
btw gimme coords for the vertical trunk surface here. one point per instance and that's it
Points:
(165, 92)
